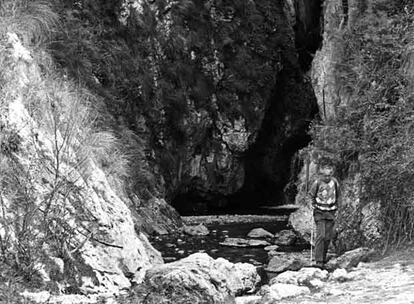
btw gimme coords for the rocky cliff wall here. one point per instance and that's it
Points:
(232, 100)
(61, 218)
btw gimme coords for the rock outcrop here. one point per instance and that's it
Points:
(79, 222)
(198, 279)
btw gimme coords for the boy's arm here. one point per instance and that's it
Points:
(312, 193)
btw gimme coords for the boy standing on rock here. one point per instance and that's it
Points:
(324, 195)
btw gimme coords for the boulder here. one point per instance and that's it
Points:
(196, 230)
(351, 258)
(279, 291)
(281, 263)
(285, 238)
(302, 222)
(239, 242)
(198, 279)
(259, 233)
(302, 277)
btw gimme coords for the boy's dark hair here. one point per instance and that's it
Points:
(325, 163)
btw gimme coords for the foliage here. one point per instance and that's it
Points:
(46, 158)
(373, 132)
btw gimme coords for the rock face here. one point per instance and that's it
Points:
(198, 279)
(92, 239)
(241, 89)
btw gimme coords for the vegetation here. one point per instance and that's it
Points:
(47, 153)
(373, 131)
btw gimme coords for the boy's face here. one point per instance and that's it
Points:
(326, 173)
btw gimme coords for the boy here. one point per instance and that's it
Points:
(324, 196)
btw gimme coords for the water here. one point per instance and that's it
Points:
(175, 247)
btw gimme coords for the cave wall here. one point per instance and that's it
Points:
(230, 102)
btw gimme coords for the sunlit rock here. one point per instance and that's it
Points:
(240, 242)
(259, 233)
(199, 279)
(279, 291)
(248, 299)
(301, 277)
(196, 230)
(351, 258)
(340, 275)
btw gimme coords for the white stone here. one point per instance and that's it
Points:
(280, 291)
(248, 299)
(259, 233)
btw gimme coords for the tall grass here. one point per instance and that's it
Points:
(34, 21)
(41, 209)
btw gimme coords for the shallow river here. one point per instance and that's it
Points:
(179, 246)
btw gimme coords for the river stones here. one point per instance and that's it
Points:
(259, 233)
(197, 279)
(285, 238)
(196, 230)
(350, 258)
(240, 242)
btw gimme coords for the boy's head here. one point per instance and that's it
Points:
(326, 172)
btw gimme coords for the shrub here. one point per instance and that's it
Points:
(374, 130)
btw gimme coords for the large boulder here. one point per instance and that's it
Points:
(281, 263)
(351, 258)
(198, 279)
(302, 222)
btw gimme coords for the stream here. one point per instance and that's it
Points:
(174, 247)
